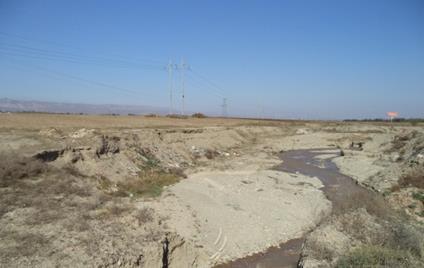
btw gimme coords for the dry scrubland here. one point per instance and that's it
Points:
(104, 191)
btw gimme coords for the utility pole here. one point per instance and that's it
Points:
(183, 66)
(224, 107)
(170, 68)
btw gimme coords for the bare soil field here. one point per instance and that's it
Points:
(133, 191)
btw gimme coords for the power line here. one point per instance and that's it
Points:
(25, 51)
(132, 59)
(49, 58)
(208, 81)
(224, 105)
(206, 86)
(81, 79)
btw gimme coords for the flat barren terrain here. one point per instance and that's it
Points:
(134, 191)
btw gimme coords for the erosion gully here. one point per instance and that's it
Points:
(336, 187)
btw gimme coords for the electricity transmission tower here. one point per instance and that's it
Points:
(224, 107)
(170, 68)
(183, 66)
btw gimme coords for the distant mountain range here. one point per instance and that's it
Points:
(9, 105)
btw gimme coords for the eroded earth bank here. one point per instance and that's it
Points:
(81, 192)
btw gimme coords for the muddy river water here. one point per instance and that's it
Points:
(336, 187)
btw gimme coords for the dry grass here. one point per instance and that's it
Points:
(50, 204)
(414, 177)
(400, 141)
(43, 193)
(151, 115)
(320, 250)
(113, 210)
(179, 172)
(398, 244)
(356, 226)
(177, 116)
(14, 168)
(150, 183)
(373, 203)
(20, 244)
(38, 121)
(144, 215)
(408, 237)
(375, 256)
(211, 154)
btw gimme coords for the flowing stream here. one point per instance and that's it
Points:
(336, 187)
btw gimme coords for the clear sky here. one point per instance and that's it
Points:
(291, 59)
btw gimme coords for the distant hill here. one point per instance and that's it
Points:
(9, 105)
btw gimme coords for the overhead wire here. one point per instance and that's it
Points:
(81, 79)
(206, 86)
(208, 81)
(120, 59)
(19, 50)
(196, 84)
(27, 51)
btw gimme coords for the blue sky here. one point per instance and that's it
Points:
(316, 59)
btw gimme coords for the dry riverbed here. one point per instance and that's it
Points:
(87, 191)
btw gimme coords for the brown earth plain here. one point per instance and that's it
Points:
(138, 191)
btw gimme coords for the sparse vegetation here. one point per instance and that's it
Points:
(400, 141)
(198, 115)
(22, 244)
(211, 154)
(375, 256)
(14, 168)
(320, 250)
(100, 197)
(408, 238)
(177, 116)
(40, 195)
(144, 215)
(150, 183)
(151, 115)
(373, 203)
(414, 177)
(418, 196)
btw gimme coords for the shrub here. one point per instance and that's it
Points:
(14, 168)
(418, 196)
(406, 237)
(373, 203)
(177, 116)
(198, 115)
(150, 182)
(144, 215)
(414, 177)
(320, 250)
(374, 256)
(179, 172)
(211, 154)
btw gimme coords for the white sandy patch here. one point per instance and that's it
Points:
(357, 166)
(232, 214)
